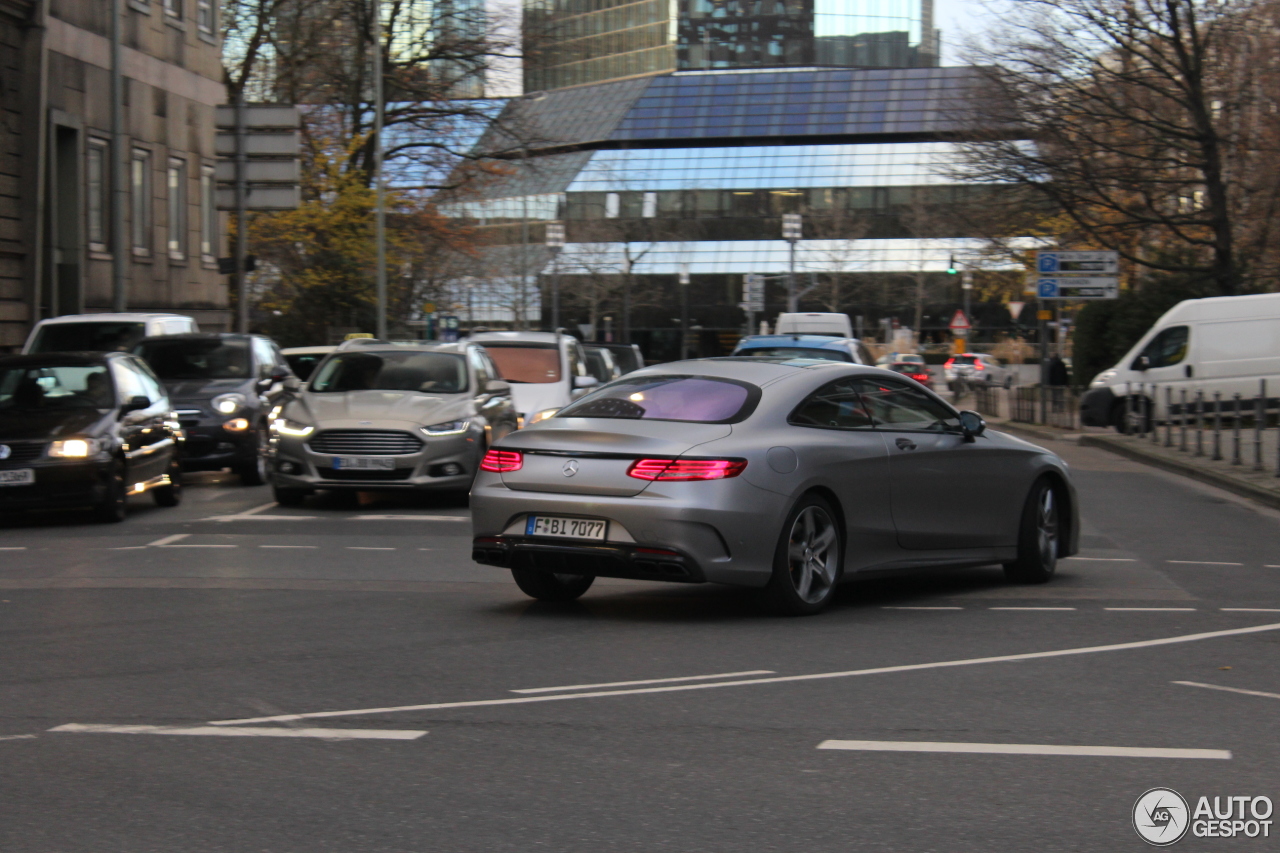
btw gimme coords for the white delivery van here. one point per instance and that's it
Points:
(103, 332)
(1226, 345)
(833, 325)
(547, 371)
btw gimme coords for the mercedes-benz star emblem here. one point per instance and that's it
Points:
(5, 451)
(570, 468)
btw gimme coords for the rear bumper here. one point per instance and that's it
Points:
(606, 561)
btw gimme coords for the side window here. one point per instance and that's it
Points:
(153, 389)
(577, 364)
(897, 408)
(265, 356)
(834, 406)
(490, 367)
(1169, 347)
(481, 367)
(128, 381)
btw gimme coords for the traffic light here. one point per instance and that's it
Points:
(951, 266)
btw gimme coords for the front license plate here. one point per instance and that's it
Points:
(566, 528)
(363, 463)
(20, 477)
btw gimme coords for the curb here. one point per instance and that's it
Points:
(1213, 478)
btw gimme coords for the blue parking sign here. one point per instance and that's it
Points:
(1048, 262)
(1047, 288)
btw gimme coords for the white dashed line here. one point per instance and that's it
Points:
(646, 681)
(167, 540)
(921, 608)
(214, 731)
(1229, 689)
(410, 518)
(1031, 608)
(1023, 749)
(1152, 609)
(1105, 559)
(184, 545)
(367, 548)
(1200, 563)
(243, 517)
(289, 546)
(19, 737)
(1249, 609)
(12, 548)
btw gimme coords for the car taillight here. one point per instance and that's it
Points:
(977, 365)
(949, 362)
(686, 469)
(502, 461)
(920, 377)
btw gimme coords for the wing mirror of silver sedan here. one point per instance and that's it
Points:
(972, 425)
(585, 382)
(497, 386)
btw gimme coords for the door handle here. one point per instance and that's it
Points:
(906, 444)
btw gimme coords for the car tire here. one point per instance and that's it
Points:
(809, 560)
(170, 495)
(1039, 536)
(113, 507)
(288, 497)
(253, 472)
(548, 586)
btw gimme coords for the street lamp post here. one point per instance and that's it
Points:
(684, 311)
(555, 242)
(792, 230)
(380, 225)
(626, 296)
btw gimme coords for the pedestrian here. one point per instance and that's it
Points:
(1058, 374)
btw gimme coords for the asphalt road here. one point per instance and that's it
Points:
(231, 609)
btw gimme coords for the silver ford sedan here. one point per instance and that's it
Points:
(785, 475)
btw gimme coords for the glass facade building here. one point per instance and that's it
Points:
(575, 42)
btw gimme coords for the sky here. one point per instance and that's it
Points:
(956, 18)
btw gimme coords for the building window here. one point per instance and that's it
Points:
(97, 193)
(205, 16)
(177, 208)
(140, 190)
(173, 9)
(612, 205)
(208, 215)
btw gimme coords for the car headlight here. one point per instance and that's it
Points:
(228, 404)
(1103, 379)
(540, 416)
(284, 426)
(74, 448)
(447, 428)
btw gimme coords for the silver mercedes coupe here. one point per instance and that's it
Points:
(785, 475)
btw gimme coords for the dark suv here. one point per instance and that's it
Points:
(223, 387)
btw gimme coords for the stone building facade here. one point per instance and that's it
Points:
(56, 150)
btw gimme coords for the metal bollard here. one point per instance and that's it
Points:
(1182, 422)
(1128, 410)
(1217, 426)
(1151, 411)
(1259, 424)
(1235, 448)
(1168, 417)
(1199, 423)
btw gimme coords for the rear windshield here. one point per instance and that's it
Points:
(89, 337)
(692, 399)
(796, 352)
(526, 363)
(423, 372)
(197, 358)
(964, 359)
(31, 389)
(303, 365)
(908, 368)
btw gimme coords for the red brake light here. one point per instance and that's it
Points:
(686, 469)
(502, 461)
(950, 362)
(979, 365)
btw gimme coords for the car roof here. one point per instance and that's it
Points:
(758, 371)
(200, 336)
(110, 318)
(60, 359)
(318, 350)
(369, 345)
(518, 337)
(809, 341)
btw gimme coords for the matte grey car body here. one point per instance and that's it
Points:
(905, 497)
(420, 436)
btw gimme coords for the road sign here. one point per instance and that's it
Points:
(1078, 287)
(1015, 309)
(271, 143)
(960, 323)
(1081, 263)
(1044, 315)
(752, 292)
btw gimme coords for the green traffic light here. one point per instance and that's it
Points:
(951, 266)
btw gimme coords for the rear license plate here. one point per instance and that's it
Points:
(566, 528)
(19, 477)
(363, 463)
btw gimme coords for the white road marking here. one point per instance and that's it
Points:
(1249, 609)
(1200, 563)
(260, 518)
(1031, 608)
(819, 676)
(258, 509)
(367, 548)
(1105, 559)
(288, 546)
(129, 548)
(185, 545)
(19, 737)
(922, 608)
(646, 681)
(1271, 567)
(166, 540)
(410, 518)
(1152, 609)
(12, 548)
(1023, 749)
(1229, 689)
(213, 731)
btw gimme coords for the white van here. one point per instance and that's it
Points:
(103, 332)
(1226, 345)
(833, 325)
(547, 371)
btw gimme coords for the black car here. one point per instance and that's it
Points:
(85, 430)
(223, 387)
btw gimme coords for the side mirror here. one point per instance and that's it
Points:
(497, 386)
(1142, 363)
(972, 424)
(135, 404)
(292, 384)
(279, 373)
(585, 382)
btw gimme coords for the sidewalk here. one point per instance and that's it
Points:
(1262, 486)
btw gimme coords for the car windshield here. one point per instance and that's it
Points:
(693, 399)
(304, 364)
(89, 337)
(197, 358)
(526, 363)
(795, 352)
(80, 386)
(908, 367)
(421, 372)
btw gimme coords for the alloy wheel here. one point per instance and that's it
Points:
(1047, 527)
(813, 554)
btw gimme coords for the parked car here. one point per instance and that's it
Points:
(391, 417)
(85, 430)
(547, 371)
(628, 357)
(785, 476)
(977, 367)
(821, 347)
(223, 387)
(913, 370)
(600, 363)
(103, 332)
(814, 323)
(1226, 345)
(304, 360)
(899, 357)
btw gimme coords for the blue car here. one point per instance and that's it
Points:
(848, 350)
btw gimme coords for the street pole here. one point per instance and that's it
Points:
(381, 204)
(792, 230)
(119, 288)
(684, 311)
(626, 295)
(241, 248)
(555, 242)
